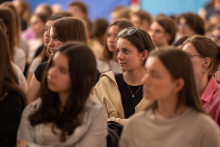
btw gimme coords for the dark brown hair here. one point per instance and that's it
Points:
(194, 21)
(17, 20)
(99, 27)
(136, 41)
(8, 78)
(169, 27)
(206, 48)
(81, 5)
(47, 9)
(180, 41)
(179, 65)
(122, 12)
(69, 29)
(121, 24)
(143, 15)
(9, 20)
(82, 81)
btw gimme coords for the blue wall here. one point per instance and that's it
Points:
(97, 8)
(102, 8)
(172, 7)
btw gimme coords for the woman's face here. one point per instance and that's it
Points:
(184, 29)
(158, 34)
(138, 23)
(128, 56)
(58, 76)
(196, 59)
(46, 35)
(216, 36)
(54, 42)
(37, 25)
(111, 38)
(158, 82)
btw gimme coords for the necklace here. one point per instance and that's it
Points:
(135, 92)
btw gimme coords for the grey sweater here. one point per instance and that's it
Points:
(190, 129)
(92, 133)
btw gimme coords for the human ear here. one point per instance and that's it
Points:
(206, 63)
(144, 55)
(179, 83)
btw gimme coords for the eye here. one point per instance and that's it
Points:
(154, 76)
(126, 51)
(117, 50)
(63, 71)
(108, 35)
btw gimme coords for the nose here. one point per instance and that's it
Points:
(51, 43)
(120, 55)
(112, 38)
(52, 72)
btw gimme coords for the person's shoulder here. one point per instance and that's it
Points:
(137, 117)
(32, 107)
(203, 120)
(41, 66)
(19, 51)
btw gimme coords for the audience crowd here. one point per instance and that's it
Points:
(138, 81)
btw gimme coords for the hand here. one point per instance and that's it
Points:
(21, 143)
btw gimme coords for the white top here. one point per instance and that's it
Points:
(23, 44)
(21, 79)
(190, 129)
(103, 66)
(19, 58)
(34, 64)
(34, 44)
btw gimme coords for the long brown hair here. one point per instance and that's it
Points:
(69, 28)
(82, 81)
(9, 20)
(169, 27)
(206, 48)
(17, 21)
(179, 65)
(121, 24)
(8, 78)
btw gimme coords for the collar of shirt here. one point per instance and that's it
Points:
(209, 90)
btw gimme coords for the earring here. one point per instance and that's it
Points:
(204, 72)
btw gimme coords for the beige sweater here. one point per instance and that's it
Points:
(190, 129)
(107, 92)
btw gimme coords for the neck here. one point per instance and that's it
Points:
(114, 56)
(166, 108)
(134, 77)
(201, 84)
(164, 46)
(63, 98)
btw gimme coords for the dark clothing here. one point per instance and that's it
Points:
(129, 103)
(23, 25)
(11, 106)
(39, 71)
(39, 50)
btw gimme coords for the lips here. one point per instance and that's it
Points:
(50, 82)
(52, 50)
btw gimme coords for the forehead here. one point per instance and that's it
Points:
(49, 22)
(189, 47)
(156, 25)
(51, 31)
(153, 63)
(114, 29)
(60, 59)
(123, 43)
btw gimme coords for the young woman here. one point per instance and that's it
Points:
(205, 56)
(17, 55)
(121, 94)
(141, 19)
(12, 97)
(37, 23)
(66, 114)
(190, 24)
(110, 62)
(215, 34)
(42, 57)
(175, 117)
(61, 31)
(163, 32)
